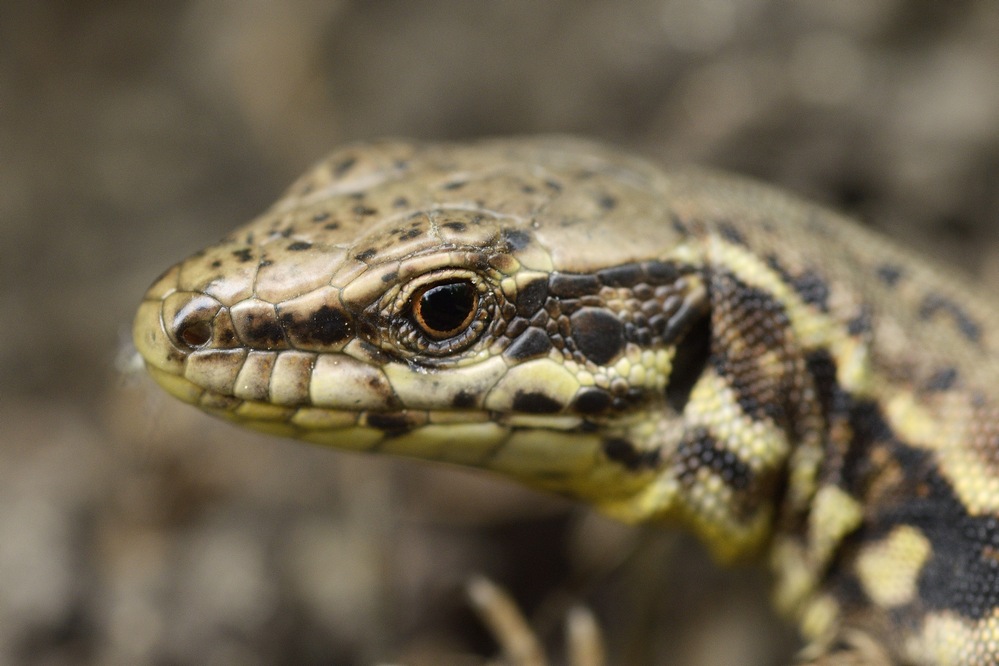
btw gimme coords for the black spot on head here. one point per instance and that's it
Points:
(332, 226)
(730, 233)
(530, 344)
(264, 263)
(364, 211)
(287, 231)
(968, 327)
(890, 274)
(455, 184)
(412, 233)
(531, 296)
(366, 254)
(321, 217)
(216, 264)
(607, 202)
(534, 402)
(624, 452)
(812, 289)
(860, 324)
(689, 361)
(942, 380)
(390, 277)
(299, 246)
(515, 239)
(527, 189)
(597, 334)
(328, 325)
(244, 255)
(571, 285)
(455, 226)
(400, 202)
(343, 166)
(553, 185)
(590, 401)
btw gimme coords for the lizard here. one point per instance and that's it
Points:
(679, 347)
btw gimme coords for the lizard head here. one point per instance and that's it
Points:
(514, 305)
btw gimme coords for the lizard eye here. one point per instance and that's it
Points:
(445, 309)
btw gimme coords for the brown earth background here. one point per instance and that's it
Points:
(133, 530)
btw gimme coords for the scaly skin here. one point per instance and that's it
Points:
(680, 347)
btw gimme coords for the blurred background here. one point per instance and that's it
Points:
(134, 530)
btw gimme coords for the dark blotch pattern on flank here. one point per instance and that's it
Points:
(533, 402)
(597, 334)
(624, 452)
(699, 450)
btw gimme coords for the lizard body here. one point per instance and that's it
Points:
(681, 347)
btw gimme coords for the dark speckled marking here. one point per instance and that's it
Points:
(400, 202)
(607, 202)
(343, 166)
(299, 246)
(812, 289)
(942, 380)
(731, 234)
(591, 401)
(570, 285)
(412, 233)
(389, 422)
(934, 303)
(463, 400)
(366, 254)
(598, 334)
(364, 211)
(332, 226)
(455, 185)
(860, 324)
(531, 296)
(390, 277)
(263, 334)
(321, 217)
(244, 255)
(515, 239)
(623, 451)
(626, 275)
(327, 326)
(890, 274)
(533, 402)
(530, 344)
(455, 226)
(216, 264)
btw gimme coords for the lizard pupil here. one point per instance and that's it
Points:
(445, 309)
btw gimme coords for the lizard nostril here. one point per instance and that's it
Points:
(195, 332)
(191, 319)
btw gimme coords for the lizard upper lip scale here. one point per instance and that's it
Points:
(683, 347)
